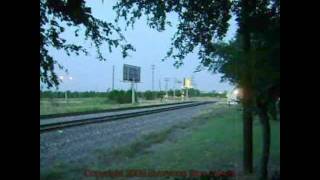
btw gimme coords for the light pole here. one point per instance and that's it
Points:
(153, 93)
(112, 77)
(174, 87)
(166, 88)
(66, 92)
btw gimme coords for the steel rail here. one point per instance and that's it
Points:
(49, 116)
(68, 124)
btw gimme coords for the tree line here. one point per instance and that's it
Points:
(124, 96)
(71, 94)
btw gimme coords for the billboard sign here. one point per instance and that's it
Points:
(131, 73)
(187, 83)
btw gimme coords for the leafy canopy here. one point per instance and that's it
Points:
(75, 14)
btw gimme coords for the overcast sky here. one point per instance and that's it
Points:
(90, 74)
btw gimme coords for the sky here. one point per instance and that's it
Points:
(90, 74)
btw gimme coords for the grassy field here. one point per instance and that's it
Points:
(59, 105)
(212, 141)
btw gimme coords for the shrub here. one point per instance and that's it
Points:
(121, 96)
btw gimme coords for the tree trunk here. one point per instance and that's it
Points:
(247, 111)
(247, 139)
(279, 107)
(246, 83)
(264, 118)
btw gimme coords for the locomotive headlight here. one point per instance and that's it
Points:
(236, 92)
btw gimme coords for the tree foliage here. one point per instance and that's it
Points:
(204, 23)
(252, 61)
(121, 96)
(72, 94)
(75, 14)
(200, 23)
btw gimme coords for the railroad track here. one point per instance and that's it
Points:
(68, 124)
(49, 116)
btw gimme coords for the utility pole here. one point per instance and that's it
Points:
(187, 94)
(132, 93)
(174, 87)
(160, 84)
(152, 67)
(193, 82)
(166, 80)
(133, 100)
(113, 77)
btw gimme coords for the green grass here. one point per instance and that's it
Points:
(138, 146)
(212, 141)
(59, 105)
(61, 171)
